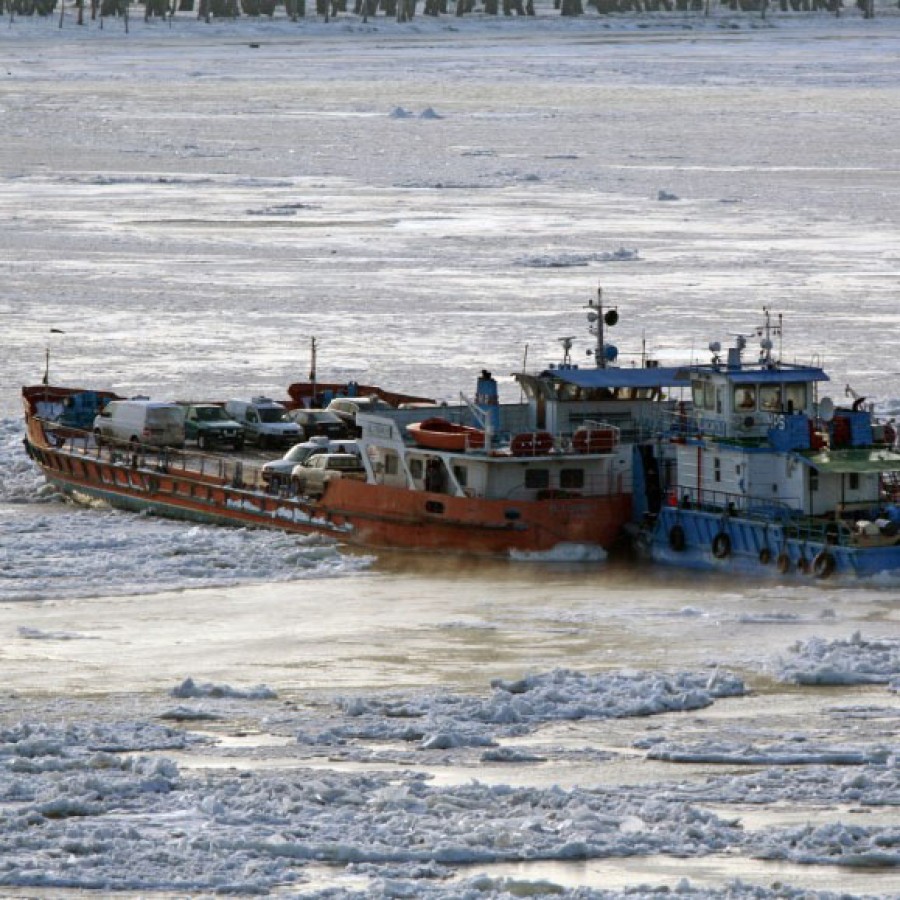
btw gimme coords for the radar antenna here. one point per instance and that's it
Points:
(602, 352)
(766, 333)
(567, 349)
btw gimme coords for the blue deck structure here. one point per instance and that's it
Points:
(758, 473)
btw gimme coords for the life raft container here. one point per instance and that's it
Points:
(531, 443)
(595, 439)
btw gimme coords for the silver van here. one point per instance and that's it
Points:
(264, 422)
(141, 421)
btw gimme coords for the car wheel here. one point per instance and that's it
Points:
(239, 444)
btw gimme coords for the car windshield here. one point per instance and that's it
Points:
(272, 414)
(210, 414)
(297, 453)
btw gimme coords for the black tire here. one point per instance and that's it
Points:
(803, 565)
(239, 444)
(823, 564)
(676, 538)
(721, 546)
(765, 556)
(783, 563)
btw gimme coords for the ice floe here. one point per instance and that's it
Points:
(843, 662)
(189, 689)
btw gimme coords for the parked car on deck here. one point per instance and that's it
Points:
(348, 407)
(320, 422)
(279, 470)
(141, 421)
(264, 422)
(312, 477)
(209, 425)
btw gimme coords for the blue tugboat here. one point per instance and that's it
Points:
(757, 474)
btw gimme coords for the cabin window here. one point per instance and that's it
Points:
(391, 464)
(770, 397)
(709, 395)
(853, 481)
(745, 397)
(537, 479)
(461, 474)
(719, 400)
(717, 469)
(571, 479)
(415, 468)
(795, 397)
(697, 393)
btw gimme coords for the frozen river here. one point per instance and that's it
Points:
(187, 710)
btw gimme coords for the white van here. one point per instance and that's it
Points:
(141, 421)
(264, 422)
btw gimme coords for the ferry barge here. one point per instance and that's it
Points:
(549, 477)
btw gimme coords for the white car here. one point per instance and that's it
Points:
(348, 407)
(279, 470)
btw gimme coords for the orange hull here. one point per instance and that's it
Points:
(364, 515)
(393, 517)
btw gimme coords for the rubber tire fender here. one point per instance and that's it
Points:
(721, 546)
(823, 564)
(765, 556)
(676, 538)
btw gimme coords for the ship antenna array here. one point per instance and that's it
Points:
(766, 332)
(603, 353)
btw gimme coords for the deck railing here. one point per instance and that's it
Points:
(762, 510)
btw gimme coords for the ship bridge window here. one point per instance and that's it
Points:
(571, 479)
(770, 397)
(537, 479)
(795, 397)
(416, 469)
(704, 394)
(391, 464)
(745, 397)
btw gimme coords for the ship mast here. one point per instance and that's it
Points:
(766, 332)
(603, 353)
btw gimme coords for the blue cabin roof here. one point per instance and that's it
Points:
(656, 377)
(779, 375)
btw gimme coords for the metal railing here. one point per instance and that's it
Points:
(762, 510)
